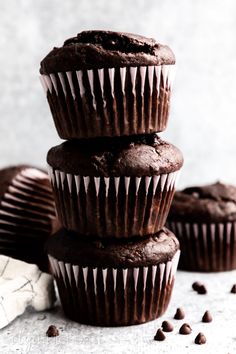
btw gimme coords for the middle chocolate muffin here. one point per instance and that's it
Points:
(117, 187)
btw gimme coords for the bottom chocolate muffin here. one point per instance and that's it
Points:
(204, 221)
(114, 283)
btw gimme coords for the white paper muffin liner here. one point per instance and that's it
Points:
(110, 101)
(113, 206)
(206, 247)
(27, 212)
(114, 296)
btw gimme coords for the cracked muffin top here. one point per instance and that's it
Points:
(106, 49)
(138, 155)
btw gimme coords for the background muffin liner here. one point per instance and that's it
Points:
(110, 102)
(114, 297)
(206, 247)
(27, 212)
(113, 206)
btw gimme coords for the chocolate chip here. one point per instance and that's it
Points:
(196, 285)
(185, 329)
(167, 326)
(233, 289)
(200, 339)
(202, 290)
(179, 315)
(207, 317)
(52, 331)
(159, 335)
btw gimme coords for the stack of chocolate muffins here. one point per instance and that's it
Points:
(114, 178)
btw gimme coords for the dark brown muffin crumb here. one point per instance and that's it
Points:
(202, 290)
(167, 326)
(185, 329)
(207, 317)
(200, 339)
(52, 331)
(233, 289)
(159, 336)
(179, 315)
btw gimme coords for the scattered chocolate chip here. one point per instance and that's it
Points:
(199, 287)
(179, 315)
(52, 331)
(196, 285)
(200, 339)
(167, 326)
(207, 317)
(159, 336)
(185, 329)
(202, 290)
(233, 289)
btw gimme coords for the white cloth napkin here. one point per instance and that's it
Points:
(23, 285)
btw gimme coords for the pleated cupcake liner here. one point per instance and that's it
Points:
(206, 247)
(113, 206)
(114, 296)
(110, 101)
(27, 211)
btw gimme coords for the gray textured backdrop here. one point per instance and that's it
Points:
(203, 36)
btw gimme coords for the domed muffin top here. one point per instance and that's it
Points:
(140, 155)
(106, 49)
(150, 250)
(211, 203)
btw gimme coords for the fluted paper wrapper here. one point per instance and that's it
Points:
(110, 102)
(206, 247)
(114, 297)
(113, 206)
(27, 212)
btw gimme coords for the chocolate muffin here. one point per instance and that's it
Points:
(114, 282)
(114, 187)
(27, 213)
(103, 83)
(204, 220)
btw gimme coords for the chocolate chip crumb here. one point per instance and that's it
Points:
(207, 317)
(200, 339)
(196, 285)
(185, 329)
(159, 336)
(202, 290)
(179, 315)
(233, 289)
(52, 331)
(167, 326)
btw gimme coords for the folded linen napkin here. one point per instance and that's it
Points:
(23, 285)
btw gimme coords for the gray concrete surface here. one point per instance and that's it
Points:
(27, 335)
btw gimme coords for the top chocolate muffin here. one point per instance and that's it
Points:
(103, 83)
(106, 49)
(210, 203)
